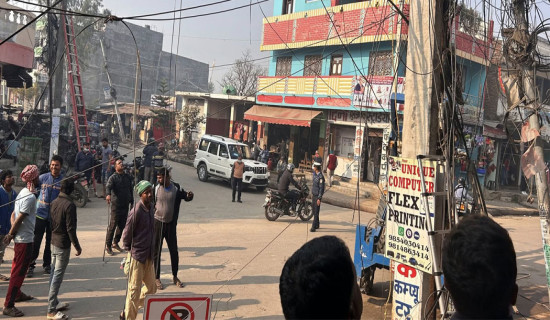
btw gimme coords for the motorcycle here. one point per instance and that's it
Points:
(137, 169)
(80, 192)
(277, 205)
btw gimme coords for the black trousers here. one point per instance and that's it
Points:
(116, 223)
(316, 209)
(166, 231)
(236, 183)
(42, 226)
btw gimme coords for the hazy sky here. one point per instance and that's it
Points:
(218, 39)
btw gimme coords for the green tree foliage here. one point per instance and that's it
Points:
(189, 119)
(164, 116)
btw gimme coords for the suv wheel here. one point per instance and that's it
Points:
(202, 173)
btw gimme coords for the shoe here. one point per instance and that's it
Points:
(109, 251)
(57, 316)
(292, 213)
(122, 316)
(23, 297)
(233, 200)
(12, 312)
(524, 193)
(4, 278)
(178, 282)
(312, 229)
(62, 306)
(239, 201)
(47, 269)
(159, 284)
(117, 247)
(30, 273)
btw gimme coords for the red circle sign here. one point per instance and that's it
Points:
(175, 313)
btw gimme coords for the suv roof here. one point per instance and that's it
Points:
(222, 139)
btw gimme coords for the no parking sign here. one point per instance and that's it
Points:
(177, 307)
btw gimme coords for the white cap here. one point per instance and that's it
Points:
(316, 164)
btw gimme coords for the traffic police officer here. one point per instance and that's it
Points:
(317, 190)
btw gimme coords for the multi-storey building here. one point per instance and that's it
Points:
(335, 66)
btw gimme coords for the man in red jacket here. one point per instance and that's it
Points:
(332, 163)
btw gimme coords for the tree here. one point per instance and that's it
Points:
(243, 75)
(28, 95)
(211, 87)
(189, 119)
(163, 117)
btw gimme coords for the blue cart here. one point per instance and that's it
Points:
(368, 255)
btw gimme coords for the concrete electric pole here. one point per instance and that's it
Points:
(519, 43)
(426, 41)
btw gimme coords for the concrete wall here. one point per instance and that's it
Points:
(120, 50)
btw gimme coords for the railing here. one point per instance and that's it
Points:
(327, 85)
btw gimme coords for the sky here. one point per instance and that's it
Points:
(215, 39)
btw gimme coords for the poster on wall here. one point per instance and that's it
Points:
(382, 180)
(375, 91)
(406, 290)
(406, 231)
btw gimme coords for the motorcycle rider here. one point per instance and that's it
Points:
(282, 187)
(461, 193)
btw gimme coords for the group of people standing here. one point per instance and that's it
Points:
(44, 208)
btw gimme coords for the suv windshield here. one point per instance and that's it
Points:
(235, 150)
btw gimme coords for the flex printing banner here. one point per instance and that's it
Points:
(375, 91)
(406, 227)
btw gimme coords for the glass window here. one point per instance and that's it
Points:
(284, 66)
(213, 148)
(204, 145)
(223, 151)
(313, 65)
(380, 63)
(235, 150)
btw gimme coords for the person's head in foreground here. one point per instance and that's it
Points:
(479, 267)
(318, 282)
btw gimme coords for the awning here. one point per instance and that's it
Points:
(289, 116)
(495, 132)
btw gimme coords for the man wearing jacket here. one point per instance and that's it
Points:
(120, 197)
(63, 218)
(317, 191)
(50, 185)
(138, 239)
(84, 162)
(7, 204)
(284, 183)
(168, 196)
(148, 153)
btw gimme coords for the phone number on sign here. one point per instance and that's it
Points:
(409, 243)
(411, 251)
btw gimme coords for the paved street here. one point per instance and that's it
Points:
(231, 250)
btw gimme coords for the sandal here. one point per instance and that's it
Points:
(12, 312)
(23, 297)
(159, 284)
(62, 306)
(4, 278)
(178, 283)
(58, 316)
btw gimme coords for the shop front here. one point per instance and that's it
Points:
(358, 140)
(289, 132)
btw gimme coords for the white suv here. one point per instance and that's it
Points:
(215, 157)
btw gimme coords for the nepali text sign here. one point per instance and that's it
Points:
(177, 307)
(406, 290)
(375, 91)
(406, 231)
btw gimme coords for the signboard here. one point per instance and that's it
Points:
(372, 119)
(382, 179)
(107, 92)
(375, 91)
(406, 231)
(406, 290)
(177, 307)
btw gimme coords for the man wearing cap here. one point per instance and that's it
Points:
(138, 239)
(168, 196)
(317, 191)
(120, 197)
(22, 231)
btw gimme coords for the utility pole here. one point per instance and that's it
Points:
(426, 42)
(112, 92)
(527, 75)
(51, 64)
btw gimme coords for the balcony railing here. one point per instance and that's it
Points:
(327, 85)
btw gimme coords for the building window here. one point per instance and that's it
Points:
(380, 63)
(288, 6)
(336, 65)
(313, 65)
(284, 66)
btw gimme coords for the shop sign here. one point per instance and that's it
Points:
(375, 91)
(407, 236)
(359, 118)
(406, 289)
(384, 158)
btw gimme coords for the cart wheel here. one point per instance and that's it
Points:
(367, 280)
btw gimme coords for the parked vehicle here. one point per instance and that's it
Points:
(80, 192)
(137, 169)
(276, 205)
(215, 157)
